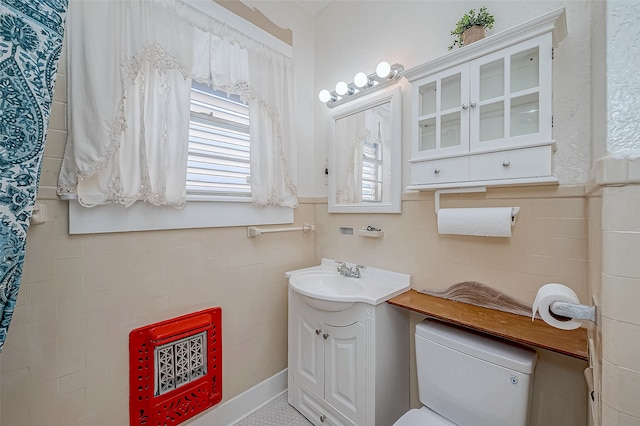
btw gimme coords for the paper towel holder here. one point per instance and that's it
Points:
(514, 210)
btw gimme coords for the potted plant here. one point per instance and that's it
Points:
(471, 27)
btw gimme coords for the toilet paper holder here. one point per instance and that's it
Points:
(573, 311)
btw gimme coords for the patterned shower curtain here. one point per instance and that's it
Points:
(31, 34)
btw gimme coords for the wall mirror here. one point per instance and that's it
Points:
(365, 155)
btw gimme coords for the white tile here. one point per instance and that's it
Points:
(619, 299)
(620, 253)
(620, 388)
(620, 208)
(277, 412)
(621, 343)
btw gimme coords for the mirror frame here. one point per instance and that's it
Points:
(392, 95)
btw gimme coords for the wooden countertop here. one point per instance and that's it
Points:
(508, 326)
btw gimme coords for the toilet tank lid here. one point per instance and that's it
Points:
(485, 347)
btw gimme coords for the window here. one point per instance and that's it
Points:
(219, 146)
(371, 172)
(218, 173)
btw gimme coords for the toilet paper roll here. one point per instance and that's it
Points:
(549, 293)
(485, 222)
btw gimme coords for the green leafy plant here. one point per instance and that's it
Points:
(468, 20)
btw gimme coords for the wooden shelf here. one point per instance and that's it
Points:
(516, 328)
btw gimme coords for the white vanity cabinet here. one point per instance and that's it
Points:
(348, 366)
(482, 114)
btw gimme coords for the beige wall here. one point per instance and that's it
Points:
(354, 36)
(549, 244)
(65, 360)
(620, 318)
(616, 287)
(66, 356)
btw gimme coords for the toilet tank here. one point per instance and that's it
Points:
(473, 379)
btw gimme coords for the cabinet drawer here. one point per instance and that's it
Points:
(316, 410)
(513, 164)
(440, 171)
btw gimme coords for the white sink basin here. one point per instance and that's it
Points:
(324, 283)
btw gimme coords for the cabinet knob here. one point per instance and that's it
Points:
(436, 171)
(465, 106)
(318, 331)
(323, 418)
(472, 105)
(506, 163)
(325, 336)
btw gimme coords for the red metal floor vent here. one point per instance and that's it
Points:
(175, 368)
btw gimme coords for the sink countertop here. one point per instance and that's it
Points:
(375, 286)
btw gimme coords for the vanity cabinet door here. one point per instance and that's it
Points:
(309, 351)
(345, 377)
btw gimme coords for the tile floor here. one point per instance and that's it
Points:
(277, 412)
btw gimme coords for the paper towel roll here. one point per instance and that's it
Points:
(485, 222)
(549, 293)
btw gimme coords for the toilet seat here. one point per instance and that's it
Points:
(422, 417)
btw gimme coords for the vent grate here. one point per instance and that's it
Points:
(180, 362)
(175, 368)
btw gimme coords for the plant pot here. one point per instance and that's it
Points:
(472, 34)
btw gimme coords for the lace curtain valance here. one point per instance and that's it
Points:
(131, 64)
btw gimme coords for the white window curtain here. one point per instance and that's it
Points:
(130, 68)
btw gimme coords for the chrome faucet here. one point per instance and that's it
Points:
(353, 272)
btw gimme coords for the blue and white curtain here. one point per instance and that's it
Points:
(31, 34)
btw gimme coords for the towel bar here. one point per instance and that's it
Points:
(254, 231)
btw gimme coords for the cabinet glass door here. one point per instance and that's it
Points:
(428, 94)
(442, 113)
(491, 101)
(525, 80)
(508, 90)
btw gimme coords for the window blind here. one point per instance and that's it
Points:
(371, 172)
(219, 145)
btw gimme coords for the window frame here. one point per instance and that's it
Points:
(199, 211)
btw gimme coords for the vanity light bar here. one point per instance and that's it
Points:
(362, 84)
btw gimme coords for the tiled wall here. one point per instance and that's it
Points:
(65, 361)
(595, 289)
(620, 295)
(549, 244)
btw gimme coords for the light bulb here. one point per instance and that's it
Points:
(342, 88)
(383, 69)
(324, 96)
(361, 80)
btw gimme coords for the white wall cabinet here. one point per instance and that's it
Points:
(482, 115)
(348, 367)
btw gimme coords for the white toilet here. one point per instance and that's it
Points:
(467, 379)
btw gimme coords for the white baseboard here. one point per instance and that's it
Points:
(233, 410)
